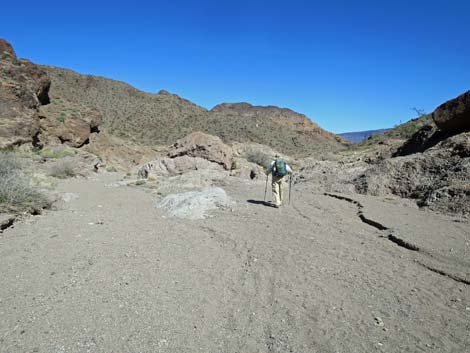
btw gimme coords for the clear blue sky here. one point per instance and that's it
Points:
(348, 65)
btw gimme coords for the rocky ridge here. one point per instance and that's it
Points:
(163, 118)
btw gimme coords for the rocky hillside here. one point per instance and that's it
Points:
(400, 132)
(28, 115)
(359, 136)
(162, 118)
(280, 128)
(433, 165)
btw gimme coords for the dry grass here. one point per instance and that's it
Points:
(63, 170)
(16, 193)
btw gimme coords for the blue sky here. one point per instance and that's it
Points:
(348, 65)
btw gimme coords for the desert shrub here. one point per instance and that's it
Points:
(56, 153)
(111, 169)
(16, 192)
(9, 164)
(63, 169)
(61, 118)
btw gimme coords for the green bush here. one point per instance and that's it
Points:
(55, 153)
(61, 118)
(111, 169)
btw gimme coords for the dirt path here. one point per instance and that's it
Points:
(108, 272)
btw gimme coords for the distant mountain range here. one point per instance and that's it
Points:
(359, 136)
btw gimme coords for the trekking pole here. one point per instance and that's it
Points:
(266, 187)
(290, 186)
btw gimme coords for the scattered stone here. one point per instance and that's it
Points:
(379, 322)
(6, 221)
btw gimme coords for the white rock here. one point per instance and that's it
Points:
(195, 204)
(69, 196)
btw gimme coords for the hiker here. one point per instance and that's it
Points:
(279, 169)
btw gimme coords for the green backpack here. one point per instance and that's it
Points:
(279, 168)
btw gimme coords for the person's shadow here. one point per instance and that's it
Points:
(260, 202)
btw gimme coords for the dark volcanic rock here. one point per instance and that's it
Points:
(27, 115)
(454, 115)
(426, 137)
(23, 89)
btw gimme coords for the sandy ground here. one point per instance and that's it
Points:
(108, 272)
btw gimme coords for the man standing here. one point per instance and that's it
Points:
(279, 170)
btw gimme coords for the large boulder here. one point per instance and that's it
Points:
(65, 122)
(74, 132)
(198, 144)
(454, 115)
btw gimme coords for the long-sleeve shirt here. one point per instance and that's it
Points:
(270, 169)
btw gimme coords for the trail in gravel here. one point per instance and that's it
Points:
(109, 272)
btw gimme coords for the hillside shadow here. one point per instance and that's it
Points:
(260, 202)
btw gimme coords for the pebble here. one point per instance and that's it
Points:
(379, 322)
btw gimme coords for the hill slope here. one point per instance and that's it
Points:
(163, 118)
(401, 132)
(359, 136)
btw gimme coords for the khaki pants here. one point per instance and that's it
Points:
(277, 187)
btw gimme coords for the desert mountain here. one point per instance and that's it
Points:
(161, 119)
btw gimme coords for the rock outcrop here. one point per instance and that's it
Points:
(29, 115)
(178, 165)
(64, 122)
(437, 178)
(198, 144)
(6, 51)
(432, 166)
(454, 115)
(23, 89)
